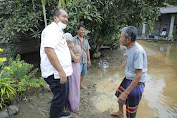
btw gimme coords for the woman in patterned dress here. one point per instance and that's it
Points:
(73, 80)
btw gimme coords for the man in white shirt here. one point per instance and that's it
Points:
(56, 61)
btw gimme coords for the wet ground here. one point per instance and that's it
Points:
(94, 100)
(104, 76)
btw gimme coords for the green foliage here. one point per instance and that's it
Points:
(171, 2)
(23, 19)
(20, 20)
(81, 12)
(104, 19)
(84, 12)
(16, 77)
(63, 3)
(43, 2)
(117, 14)
(7, 90)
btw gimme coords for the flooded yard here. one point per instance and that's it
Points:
(104, 76)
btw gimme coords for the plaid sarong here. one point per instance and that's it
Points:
(133, 98)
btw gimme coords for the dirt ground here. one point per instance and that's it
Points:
(37, 105)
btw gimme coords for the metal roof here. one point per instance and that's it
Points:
(168, 9)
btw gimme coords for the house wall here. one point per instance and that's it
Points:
(165, 19)
(158, 26)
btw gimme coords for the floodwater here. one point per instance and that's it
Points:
(105, 75)
(160, 95)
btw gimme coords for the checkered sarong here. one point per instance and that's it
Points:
(133, 98)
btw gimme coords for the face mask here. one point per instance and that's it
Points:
(62, 25)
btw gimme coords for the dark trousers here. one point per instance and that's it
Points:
(59, 96)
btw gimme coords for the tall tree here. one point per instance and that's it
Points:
(117, 14)
(109, 17)
(102, 18)
(19, 21)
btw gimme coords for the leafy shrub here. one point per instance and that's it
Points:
(16, 77)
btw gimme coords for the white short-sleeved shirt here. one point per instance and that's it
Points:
(52, 36)
(136, 59)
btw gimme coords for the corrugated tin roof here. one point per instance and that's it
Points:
(168, 9)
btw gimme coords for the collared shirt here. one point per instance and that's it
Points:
(52, 36)
(136, 59)
(84, 47)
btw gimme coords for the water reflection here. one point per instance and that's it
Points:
(161, 84)
(153, 92)
(168, 52)
(161, 49)
(159, 97)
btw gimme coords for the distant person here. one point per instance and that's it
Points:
(73, 99)
(131, 88)
(56, 61)
(85, 58)
(164, 31)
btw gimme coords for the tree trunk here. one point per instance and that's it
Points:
(44, 13)
(98, 46)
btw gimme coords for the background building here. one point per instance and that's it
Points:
(167, 18)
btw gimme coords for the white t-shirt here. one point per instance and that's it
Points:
(136, 59)
(52, 36)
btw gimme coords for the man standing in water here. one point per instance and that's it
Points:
(56, 61)
(130, 90)
(85, 57)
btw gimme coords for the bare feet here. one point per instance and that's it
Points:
(120, 115)
(84, 87)
(77, 110)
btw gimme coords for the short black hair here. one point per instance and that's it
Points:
(79, 26)
(56, 12)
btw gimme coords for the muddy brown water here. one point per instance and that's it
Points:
(106, 73)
